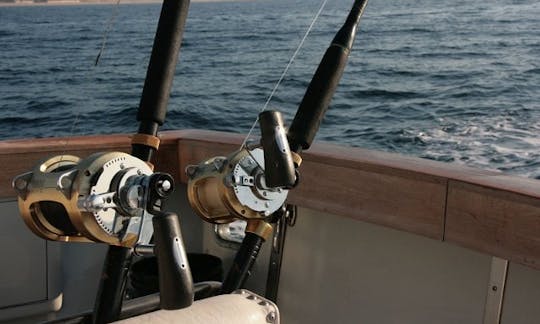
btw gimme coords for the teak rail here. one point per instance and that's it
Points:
(486, 211)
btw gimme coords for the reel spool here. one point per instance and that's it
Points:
(224, 189)
(104, 198)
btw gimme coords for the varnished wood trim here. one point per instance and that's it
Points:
(494, 221)
(90, 142)
(400, 201)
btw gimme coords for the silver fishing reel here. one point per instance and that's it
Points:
(106, 197)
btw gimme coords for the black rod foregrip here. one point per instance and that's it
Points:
(175, 280)
(243, 262)
(324, 83)
(160, 73)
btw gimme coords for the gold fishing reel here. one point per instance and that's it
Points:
(224, 189)
(249, 184)
(102, 198)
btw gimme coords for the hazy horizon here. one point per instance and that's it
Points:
(82, 2)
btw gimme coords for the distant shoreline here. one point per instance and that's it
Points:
(94, 2)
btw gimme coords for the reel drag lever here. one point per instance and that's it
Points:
(279, 168)
(175, 280)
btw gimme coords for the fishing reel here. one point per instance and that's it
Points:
(106, 197)
(249, 184)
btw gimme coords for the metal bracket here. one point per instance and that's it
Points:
(495, 291)
(286, 219)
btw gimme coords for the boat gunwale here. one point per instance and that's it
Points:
(487, 211)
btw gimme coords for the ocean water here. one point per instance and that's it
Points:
(450, 81)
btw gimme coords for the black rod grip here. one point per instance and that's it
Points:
(324, 83)
(278, 161)
(243, 262)
(175, 280)
(161, 70)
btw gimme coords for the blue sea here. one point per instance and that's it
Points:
(454, 81)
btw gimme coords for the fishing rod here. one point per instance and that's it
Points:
(117, 198)
(252, 184)
(151, 115)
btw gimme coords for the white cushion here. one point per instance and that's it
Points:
(241, 307)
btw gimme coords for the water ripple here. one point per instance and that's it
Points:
(457, 84)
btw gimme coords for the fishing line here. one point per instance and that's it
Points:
(108, 28)
(110, 24)
(308, 31)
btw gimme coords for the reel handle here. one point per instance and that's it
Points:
(175, 280)
(278, 161)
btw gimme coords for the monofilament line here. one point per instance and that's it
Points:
(110, 24)
(323, 4)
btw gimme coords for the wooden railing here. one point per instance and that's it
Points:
(485, 211)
